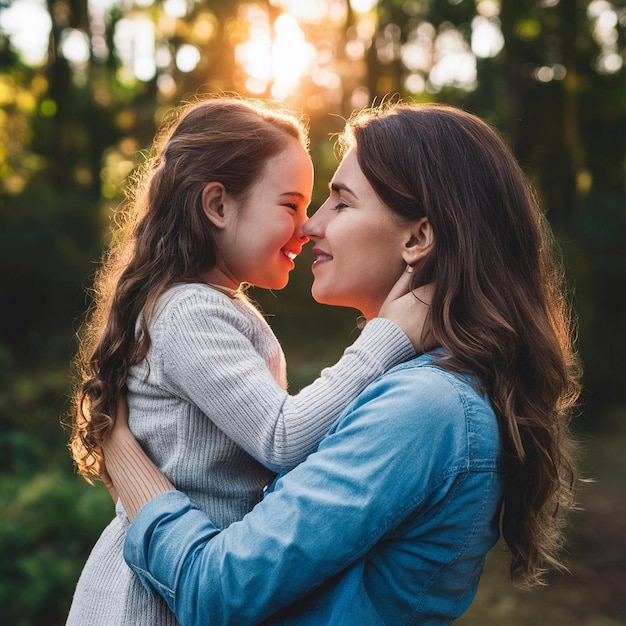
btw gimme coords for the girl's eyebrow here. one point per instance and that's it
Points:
(339, 187)
(294, 194)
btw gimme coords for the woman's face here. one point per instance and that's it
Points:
(358, 243)
(263, 234)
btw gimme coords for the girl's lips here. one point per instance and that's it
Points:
(291, 254)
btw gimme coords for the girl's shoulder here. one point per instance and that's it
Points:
(192, 294)
(181, 291)
(203, 301)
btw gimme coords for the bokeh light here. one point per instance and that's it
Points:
(274, 59)
(28, 24)
(315, 51)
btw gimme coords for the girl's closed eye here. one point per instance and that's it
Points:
(339, 206)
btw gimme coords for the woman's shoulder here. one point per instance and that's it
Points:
(427, 375)
(422, 399)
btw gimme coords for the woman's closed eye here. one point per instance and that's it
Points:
(339, 206)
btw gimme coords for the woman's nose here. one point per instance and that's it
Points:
(306, 228)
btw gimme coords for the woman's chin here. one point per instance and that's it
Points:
(329, 299)
(319, 296)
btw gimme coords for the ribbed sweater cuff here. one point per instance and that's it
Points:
(387, 342)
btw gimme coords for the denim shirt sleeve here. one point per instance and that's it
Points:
(404, 434)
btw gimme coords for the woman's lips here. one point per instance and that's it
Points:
(320, 258)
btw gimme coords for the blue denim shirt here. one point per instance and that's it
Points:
(388, 522)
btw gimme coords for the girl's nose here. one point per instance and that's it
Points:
(301, 230)
(313, 227)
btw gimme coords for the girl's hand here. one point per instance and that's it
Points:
(410, 310)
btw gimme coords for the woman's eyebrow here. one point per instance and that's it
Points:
(339, 187)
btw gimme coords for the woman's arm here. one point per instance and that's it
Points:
(319, 518)
(371, 472)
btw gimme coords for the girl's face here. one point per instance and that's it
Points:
(358, 243)
(262, 234)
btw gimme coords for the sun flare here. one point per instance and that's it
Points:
(275, 57)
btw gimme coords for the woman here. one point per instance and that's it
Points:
(222, 204)
(390, 520)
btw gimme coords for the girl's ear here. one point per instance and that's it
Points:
(419, 242)
(213, 200)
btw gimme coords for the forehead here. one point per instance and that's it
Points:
(291, 170)
(349, 173)
(349, 165)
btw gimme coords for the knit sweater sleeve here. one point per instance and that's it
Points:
(209, 359)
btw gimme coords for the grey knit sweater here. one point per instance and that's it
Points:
(209, 405)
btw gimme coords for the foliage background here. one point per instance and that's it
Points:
(72, 128)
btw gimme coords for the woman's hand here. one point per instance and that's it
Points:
(108, 483)
(129, 472)
(410, 310)
(121, 422)
(121, 416)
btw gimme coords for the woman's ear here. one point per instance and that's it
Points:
(419, 242)
(213, 200)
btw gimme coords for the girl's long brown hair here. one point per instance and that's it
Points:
(163, 239)
(500, 306)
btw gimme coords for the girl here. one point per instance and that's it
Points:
(222, 204)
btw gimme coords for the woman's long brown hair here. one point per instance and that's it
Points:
(500, 306)
(163, 239)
